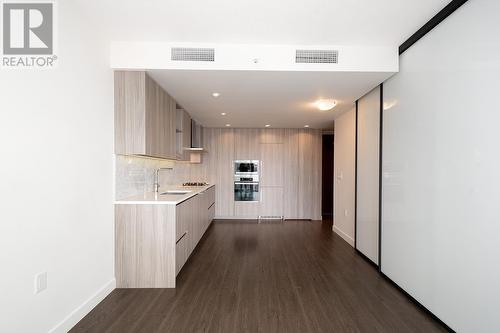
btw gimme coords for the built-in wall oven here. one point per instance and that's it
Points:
(246, 180)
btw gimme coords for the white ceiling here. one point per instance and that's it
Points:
(250, 98)
(311, 22)
(256, 98)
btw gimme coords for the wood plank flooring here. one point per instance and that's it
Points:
(295, 276)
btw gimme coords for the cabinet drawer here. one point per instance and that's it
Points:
(211, 213)
(211, 196)
(181, 252)
(183, 217)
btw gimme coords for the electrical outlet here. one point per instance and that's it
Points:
(40, 282)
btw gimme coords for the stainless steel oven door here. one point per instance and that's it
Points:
(245, 191)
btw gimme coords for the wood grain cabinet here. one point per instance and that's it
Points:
(272, 175)
(309, 179)
(144, 116)
(224, 141)
(291, 165)
(271, 202)
(154, 241)
(183, 134)
(193, 217)
(272, 164)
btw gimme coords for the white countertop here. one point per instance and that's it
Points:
(151, 198)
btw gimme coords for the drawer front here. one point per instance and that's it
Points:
(183, 214)
(211, 196)
(211, 214)
(181, 252)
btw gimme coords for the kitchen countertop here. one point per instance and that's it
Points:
(151, 198)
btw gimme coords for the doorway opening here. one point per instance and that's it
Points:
(327, 177)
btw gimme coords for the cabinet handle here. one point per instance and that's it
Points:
(184, 234)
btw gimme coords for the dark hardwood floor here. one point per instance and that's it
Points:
(295, 276)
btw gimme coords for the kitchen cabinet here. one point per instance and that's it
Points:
(247, 209)
(145, 246)
(246, 144)
(272, 135)
(271, 178)
(272, 204)
(186, 133)
(309, 180)
(153, 241)
(246, 147)
(224, 141)
(291, 173)
(193, 217)
(271, 164)
(183, 134)
(291, 159)
(144, 116)
(182, 226)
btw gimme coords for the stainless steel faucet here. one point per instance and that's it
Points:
(157, 178)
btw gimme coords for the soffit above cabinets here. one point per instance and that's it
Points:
(255, 57)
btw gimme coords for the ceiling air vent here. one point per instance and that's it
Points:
(316, 56)
(192, 54)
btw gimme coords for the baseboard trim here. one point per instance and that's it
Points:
(344, 236)
(257, 217)
(77, 314)
(236, 218)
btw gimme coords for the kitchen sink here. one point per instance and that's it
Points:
(175, 192)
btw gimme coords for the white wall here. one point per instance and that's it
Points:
(368, 174)
(56, 143)
(344, 158)
(441, 162)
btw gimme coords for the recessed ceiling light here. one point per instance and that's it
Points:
(228, 125)
(307, 126)
(215, 94)
(268, 125)
(223, 114)
(325, 104)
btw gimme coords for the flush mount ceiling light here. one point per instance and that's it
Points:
(223, 114)
(215, 94)
(228, 125)
(268, 125)
(325, 104)
(306, 126)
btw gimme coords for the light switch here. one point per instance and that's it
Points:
(40, 282)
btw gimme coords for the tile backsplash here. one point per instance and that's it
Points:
(135, 175)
